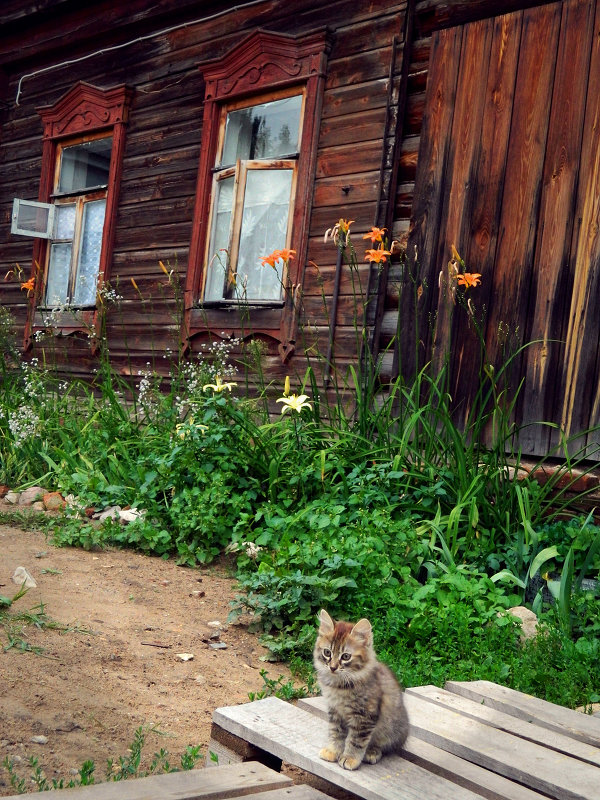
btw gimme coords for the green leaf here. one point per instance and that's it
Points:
(507, 575)
(547, 554)
(564, 597)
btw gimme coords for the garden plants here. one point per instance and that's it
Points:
(365, 497)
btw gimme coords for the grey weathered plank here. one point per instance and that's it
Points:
(237, 780)
(296, 736)
(471, 776)
(543, 770)
(297, 792)
(506, 722)
(570, 723)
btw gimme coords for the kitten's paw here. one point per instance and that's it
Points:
(327, 754)
(372, 756)
(348, 762)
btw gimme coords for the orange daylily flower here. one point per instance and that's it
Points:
(270, 260)
(468, 279)
(375, 234)
(29, 285)
(343, 225)
(339, 232)
(285, 254)
(377, 256)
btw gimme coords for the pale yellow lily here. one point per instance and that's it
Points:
(294, 403)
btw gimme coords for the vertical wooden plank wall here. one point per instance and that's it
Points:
(428, 199)
(581, 393)
(486, 183)
(503, 174)
(552, 286)
(506, 323)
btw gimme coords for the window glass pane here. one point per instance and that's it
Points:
(31, 217)
(59, 268)
(84, 166)
(64, 224)
(217, 273)
(264, 229)
(89, 253)
(267, 130)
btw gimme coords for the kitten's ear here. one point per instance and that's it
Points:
(326, 622)
(363, 630)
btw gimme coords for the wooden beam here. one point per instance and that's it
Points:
(433, 15)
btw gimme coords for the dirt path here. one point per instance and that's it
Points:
(90, 691)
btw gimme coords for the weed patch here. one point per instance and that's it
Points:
(360, 495)
(130, 765)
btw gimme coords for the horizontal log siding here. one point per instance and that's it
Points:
(162, 150)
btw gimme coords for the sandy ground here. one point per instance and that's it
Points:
(117, 667)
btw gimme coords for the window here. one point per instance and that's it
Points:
(260, 127)
(253, 191)
(76, 245)
(74, 217)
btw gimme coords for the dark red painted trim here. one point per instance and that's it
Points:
(263, 61)
(84, 109)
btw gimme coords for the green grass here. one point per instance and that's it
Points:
(131, 765)
(368, 500)
(15, 622)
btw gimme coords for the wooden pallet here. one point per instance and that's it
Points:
(250, 780)
(469, 740)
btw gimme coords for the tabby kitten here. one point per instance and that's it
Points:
(367, 717)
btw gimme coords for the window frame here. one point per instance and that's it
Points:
(239, 170)
(79, 199)
(84, 112)
(264, 65)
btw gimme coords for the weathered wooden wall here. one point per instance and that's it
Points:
(503, 113)
(472, 123)
(164, 138)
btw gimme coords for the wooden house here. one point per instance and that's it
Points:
(161, 148)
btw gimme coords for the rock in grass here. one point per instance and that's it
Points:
(112, 512)
(29, 496)
(130, 514)
(528, 619)
(53, 501)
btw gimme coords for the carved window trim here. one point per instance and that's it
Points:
(263, 62)
(83, 111)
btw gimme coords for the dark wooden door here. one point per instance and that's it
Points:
(509, 172)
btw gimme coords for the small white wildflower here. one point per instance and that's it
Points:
(252, 549)
(23, 424)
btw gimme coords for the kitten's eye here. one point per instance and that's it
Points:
(346, 657)
(327, 652)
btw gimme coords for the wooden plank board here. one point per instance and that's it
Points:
(509, 723)
(543, 770)
(297, 792)
(433, 178)
(579, 726)
(237, 780)
(581, 400)
(296, 736)
(561, 172)
(459, 198)
(523, 179)
(471, 776)
(486, 181)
